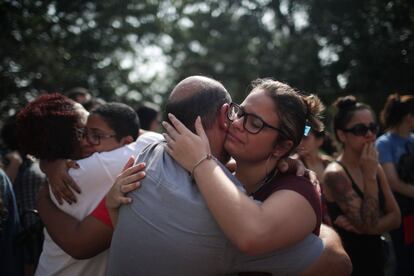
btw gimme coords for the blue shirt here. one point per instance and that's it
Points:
(391, 146)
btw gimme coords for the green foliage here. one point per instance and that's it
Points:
(238, 41)
(372, 43)
(57, 45)
(328, 47)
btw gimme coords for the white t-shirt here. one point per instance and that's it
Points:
(95, 176)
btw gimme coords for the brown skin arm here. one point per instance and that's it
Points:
(80, 239)
(334, 260)
(61, 182)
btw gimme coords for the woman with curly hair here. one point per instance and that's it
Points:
(50, 127)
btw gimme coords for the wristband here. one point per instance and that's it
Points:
(207, 157)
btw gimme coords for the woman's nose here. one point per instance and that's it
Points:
(238, 123)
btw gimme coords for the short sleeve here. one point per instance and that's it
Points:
(101, 213)
(384, 150)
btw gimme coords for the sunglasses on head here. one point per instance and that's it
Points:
(362, 130)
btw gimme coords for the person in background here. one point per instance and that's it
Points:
(396, 156)
(79, 94)
(359, 199)
(309, 152)
(26, 177)
(11, 260)
(149, 116)
(94, 103)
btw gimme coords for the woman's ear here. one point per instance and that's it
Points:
(282, 148)
(319, 142)
(341, 135)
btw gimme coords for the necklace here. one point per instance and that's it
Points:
(266, 180)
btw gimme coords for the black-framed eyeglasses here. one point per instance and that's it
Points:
(362, 129)
(93, 137)
(251, 122)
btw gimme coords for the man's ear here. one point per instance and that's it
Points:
(222, 116)
(282, 148)
(127, 140)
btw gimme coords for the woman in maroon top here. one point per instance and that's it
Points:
(266, 127)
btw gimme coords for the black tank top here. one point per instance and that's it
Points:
(335, 210)
(365, 251)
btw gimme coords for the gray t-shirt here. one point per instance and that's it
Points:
(168, 230)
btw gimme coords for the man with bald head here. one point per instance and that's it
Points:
(168, 229)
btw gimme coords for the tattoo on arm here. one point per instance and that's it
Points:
(361, 213)
(370, 210)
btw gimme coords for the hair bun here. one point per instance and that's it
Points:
(346, 102)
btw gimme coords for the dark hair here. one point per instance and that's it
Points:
(9, 133)
(329, 145)
(147, 113)
(74, 92)
(46, 127)
(346, 108)
(293, 109)
(93, 103)
(205, 102)
(395, 109)
(121, 118)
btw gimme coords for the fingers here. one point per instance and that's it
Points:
(168, 139)
(72, 164)
(133, 170)
(130, 187)
(301, 169)
(179, 127)
(171, 131)
(283, 165)
(365, 150)
(66, 191)
(129, 163)
(57, 195)
(199, 129)
(68, 195)
(72, 184)
(124, 200)
(131, 179)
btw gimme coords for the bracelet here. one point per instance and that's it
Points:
(207, 157)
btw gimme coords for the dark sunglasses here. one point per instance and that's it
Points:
(362, 130)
